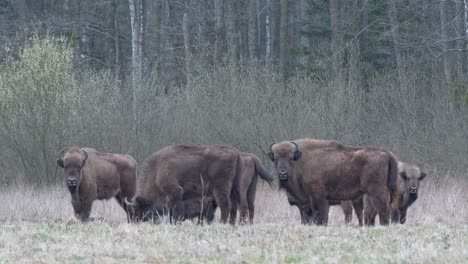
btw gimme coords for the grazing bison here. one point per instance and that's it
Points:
(313, 174)
(176, 173)
(246, 187)
(410, 177)
(97, 176)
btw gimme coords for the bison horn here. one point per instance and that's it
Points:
(294, 143)
(129, 203)
(60, 152)
(86, 157)
(271, 146)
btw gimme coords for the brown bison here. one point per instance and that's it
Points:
(242, 195)
(97, 176)
(313, 174)
(410, 177)
(178, 173)
(246, 187)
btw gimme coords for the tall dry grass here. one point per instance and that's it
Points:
(444, 200)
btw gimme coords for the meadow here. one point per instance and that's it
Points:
(37, 226)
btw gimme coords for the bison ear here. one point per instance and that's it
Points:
(271, 155)
(297, 155)
(423, 175)
(60, 163)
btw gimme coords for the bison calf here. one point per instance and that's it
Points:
(94, 176)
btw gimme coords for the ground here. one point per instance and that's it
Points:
(37, 227)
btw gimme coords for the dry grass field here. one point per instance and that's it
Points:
(37, 227)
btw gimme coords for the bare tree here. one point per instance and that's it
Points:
(253, 28)
(304, 23)
(188, 52)
(444, 32)
(136, 26)
(337, 36)
(283, 41)
(392, 13)
(461, 44)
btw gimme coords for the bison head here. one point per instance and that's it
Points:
(72, 163)
(145, 210)
(410, 175)
(284, 155)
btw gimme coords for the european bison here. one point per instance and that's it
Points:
(313, 174)
(410, 177)
(97, 176)
(242, 194)
(185, 170)
(246, 187)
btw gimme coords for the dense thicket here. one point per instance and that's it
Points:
(133, 76)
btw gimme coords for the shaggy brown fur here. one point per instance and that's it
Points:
(246, 183)
(314, 175)
(97, 176)
(192, 208)
(410, 177)
(182, 172)
(307, 215)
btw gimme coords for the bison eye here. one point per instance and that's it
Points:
(403, 175)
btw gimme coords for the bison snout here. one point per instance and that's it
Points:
(283, 174)
(72, 181)
(413, 190)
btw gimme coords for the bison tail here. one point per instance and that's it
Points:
(235, 196)
(392, 179)
(262, 172)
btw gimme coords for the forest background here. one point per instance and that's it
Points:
(135, 76)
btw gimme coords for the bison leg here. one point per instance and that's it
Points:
(233, 214)
(358, 206)
(251, 200)
(347, 207)
(378, 203)
(85, 210)
(370, 212)
(322, 212)
(395, 215)
(222, 200)
(403, 215)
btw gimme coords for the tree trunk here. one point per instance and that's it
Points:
(336, 37)
(284, 42)
(219, 30)
(262, 29)
(167, 50)
(135, 21)
(461, 44)
(392, 13)
(116, 40)
(252, 29)
(244, 29)
(444, 31)
(233, 33)
(275, 37)
(304, 39)
(188, 53)
(363, 29)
